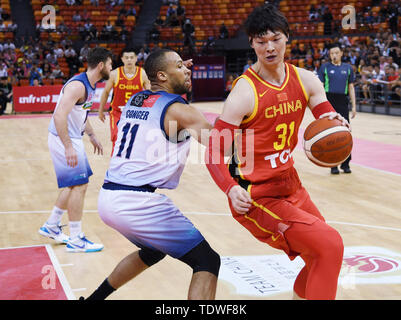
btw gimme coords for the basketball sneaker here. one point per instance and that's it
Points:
(81, 244)
(54, 232)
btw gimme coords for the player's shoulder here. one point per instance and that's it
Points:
(306, 75)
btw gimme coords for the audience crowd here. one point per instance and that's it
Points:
(376, 58)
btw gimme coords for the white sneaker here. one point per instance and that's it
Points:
(81, 244)
(54, 232)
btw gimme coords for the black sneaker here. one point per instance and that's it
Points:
(335, 170)
(346, 169)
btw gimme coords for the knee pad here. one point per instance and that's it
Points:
(150, 256)
(202, 258)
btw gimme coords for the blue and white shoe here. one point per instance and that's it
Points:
(81, 244)
(54, 232)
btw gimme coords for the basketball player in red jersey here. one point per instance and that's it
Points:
(125, 82)
(262, 116)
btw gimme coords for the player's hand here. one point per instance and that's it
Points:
(188, 63)
(335, 115)
(353, 114)
(97, 146)
(71, 156)
(102, 117)
(240, 199)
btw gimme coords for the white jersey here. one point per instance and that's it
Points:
(143, 153)
(77, 117)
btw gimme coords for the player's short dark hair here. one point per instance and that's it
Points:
(335, 45)
(97, 55)
(266, 18)
(155, 62)
(129, 49)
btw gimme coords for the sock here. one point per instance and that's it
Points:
(75, 229)
(55, 216)
(101, 293)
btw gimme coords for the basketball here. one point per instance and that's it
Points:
(327, 143)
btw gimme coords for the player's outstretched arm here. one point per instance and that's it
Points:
(181, 116)
(239, 104)
(105, 94)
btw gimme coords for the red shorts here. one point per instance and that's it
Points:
(114, 118)
(276, 205)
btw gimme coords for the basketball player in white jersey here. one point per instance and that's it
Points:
(68, 125)
(151, 150)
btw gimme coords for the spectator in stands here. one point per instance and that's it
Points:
(313, 14)
(57, 73)
(3, 27)
(180, 14)
(70, 2)
(249, 63)
(72, 60)
(393, 17)
(142, 55)
(83, 53)
(95, 3)
(35, 83)
(171, 15)
(188, 30)
(390, 62)
(46, 70)
(3, 70)
(6, 94)
(76, 17)
(159, 21)
(223, 31)
(86, 15)
(120, 21)
(34, 74)
(131, 12)
(51, 57)
(208, 47)
(376, 87)
(154, 33)
(321, 9)
(59, 52)
(327, 20)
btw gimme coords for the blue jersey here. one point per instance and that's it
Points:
(143, 153)
(336, 78)
(78, 115)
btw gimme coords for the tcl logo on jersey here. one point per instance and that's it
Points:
(282, 157)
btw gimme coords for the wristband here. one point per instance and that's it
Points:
(322, 108)
(214, 155)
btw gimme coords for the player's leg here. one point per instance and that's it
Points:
(205, 263)
(52, 228)
(126, 270)
(321, 248)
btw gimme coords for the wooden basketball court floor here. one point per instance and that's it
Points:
(363, 206)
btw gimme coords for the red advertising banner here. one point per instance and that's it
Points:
(44, 98)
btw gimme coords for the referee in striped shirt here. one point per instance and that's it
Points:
(338, 79)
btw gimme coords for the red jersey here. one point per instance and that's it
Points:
(125, 87)
(270, 134)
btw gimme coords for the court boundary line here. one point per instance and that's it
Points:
(217, 214)
(60, 274)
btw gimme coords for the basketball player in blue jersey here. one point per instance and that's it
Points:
(67, 126)
(151, 150)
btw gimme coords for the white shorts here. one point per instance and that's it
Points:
(148, 220)
(69, 176)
